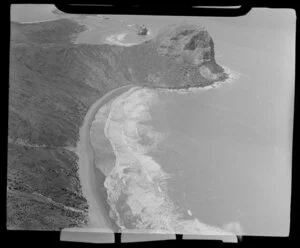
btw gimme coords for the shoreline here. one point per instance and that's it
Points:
(35, 22)
(232, 76)
(86, 172)
(116, 39)
(92, 180)
(201, 228)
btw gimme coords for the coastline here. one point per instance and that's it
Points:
(86, 171)
(116, 39)
(232, 76)
(35, 22)
(201, 228)
(92, 180)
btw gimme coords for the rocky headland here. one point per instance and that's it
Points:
(53, 82)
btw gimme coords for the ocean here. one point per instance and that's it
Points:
(231, 146)
(27, 13)
(228, 149)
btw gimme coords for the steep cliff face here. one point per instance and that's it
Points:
(191, 46)
(181, 56)
(186, 43)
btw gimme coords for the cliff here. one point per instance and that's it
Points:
(52, 84)
(142, 30)
(190, 44)
(181, 56)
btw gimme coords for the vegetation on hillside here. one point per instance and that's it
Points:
(52, 84)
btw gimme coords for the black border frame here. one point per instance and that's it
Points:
(51, 238)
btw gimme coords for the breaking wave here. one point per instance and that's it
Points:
(233, 77)
(137, 186)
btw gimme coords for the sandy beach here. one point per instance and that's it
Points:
(92, 179)
(89, 178)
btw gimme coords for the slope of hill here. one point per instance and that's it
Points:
(52, 84)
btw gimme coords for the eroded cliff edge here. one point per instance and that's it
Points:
(181, 56)
(52, 84)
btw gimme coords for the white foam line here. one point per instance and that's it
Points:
(49, 20)
(233, 76)
(122, 96)
(116, 39)
(184, 225)
(85, 162)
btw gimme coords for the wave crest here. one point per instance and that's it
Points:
(137, 186)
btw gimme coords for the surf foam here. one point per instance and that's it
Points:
(233, 76)
(137, 186)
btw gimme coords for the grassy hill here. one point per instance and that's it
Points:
(52, 84)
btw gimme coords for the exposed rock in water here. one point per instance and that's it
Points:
(52, 84)
(181, 56)
(192, 45)
(142, 30)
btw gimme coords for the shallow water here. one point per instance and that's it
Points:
(32, 12)
(91, 178)
(225, 154)
(226, 151)
(231, 146)
(137, 188)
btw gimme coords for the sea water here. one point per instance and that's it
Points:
(31, 13)
(199, 159)
(137, 185)
(191, 161)
(230, 146)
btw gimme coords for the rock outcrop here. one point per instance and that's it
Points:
(191, 45)
(52, 84)
(186, 43)
(181, 56)
(142, 30)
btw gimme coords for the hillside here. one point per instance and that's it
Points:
(52, 84)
